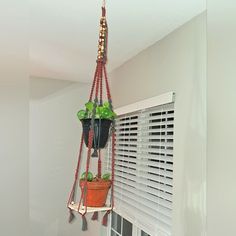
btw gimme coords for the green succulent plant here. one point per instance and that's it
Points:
(102, 111)
(106, 176)
(91, 177)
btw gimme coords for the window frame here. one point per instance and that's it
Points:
(135, 230)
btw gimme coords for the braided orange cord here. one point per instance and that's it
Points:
(72, 193)
(85, 187)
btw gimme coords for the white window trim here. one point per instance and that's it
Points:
(147, 103)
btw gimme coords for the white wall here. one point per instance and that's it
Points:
(14, 210)
(54, 142)
(176, 63)
(221, 158)
(43, 87)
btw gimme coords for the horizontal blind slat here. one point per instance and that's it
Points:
(139, 205)
(157, 201)
(122, 156)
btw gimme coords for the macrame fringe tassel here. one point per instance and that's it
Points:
(95, 216)
(84, 224)
(105, 218)
(95, 153)
(71, 217)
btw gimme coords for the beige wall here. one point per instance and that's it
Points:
(54, 143)
(176, 63)
(14, 201)
(14, 97)
(221, 158)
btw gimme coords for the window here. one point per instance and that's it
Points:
(122, 227)
(144, 167)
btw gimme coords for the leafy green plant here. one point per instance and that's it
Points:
(106, 176)
(91, 177)
(102, 111)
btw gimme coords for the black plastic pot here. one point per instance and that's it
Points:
(101, 132)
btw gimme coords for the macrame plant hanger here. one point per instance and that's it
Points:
(96, 95)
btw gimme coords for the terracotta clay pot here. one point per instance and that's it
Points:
(97, 192)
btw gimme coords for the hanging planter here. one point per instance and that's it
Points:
(104, 116)
(98, 122)
(101, 132)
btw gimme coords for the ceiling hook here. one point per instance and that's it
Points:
(103, 3)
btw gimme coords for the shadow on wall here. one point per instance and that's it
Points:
(43, 87)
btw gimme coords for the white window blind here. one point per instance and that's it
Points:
(144, 168)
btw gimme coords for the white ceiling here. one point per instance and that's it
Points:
(64, 33)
